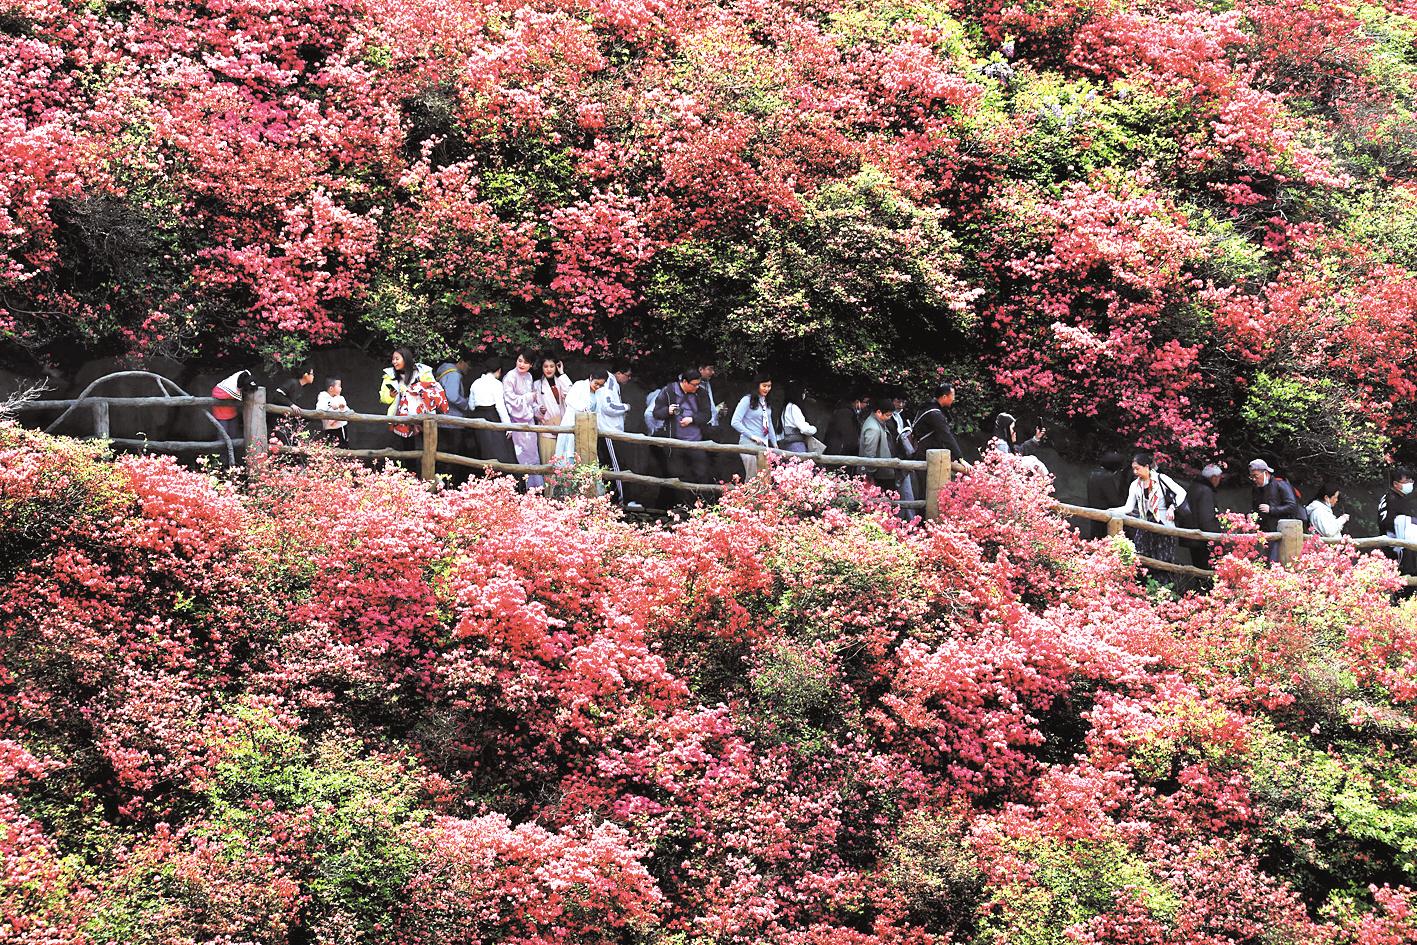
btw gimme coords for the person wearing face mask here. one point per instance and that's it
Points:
(1321, 516)
(1395, 518)
(1272, 500)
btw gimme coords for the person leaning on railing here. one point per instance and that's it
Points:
(876, 444)
(1153, 497)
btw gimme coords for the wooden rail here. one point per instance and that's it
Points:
(939, 467)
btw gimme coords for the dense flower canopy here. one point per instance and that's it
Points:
(1175, 220)
(334, 707)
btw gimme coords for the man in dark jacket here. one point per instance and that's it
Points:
(687, 413)
(1398, 501)
(844, 431)
(934, 428)
(1200, 499)
(291, 392)
(1107, 488)
(1272, 499)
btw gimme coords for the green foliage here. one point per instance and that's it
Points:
(353, 810)
(930, 867)
(793, 692)
(1071, 883)
(1314, 420)
(882, 20)
(1378, 805)
(1386, 220)
(1078, 126)
(862, 274)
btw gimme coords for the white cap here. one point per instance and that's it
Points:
(1259, 465)
(1210, 469)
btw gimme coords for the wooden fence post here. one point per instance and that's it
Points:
(101, 428)
(1291, 539)
(588, 447)
(428, 471)
(938, 471)
(253, 423)
(1114, 526)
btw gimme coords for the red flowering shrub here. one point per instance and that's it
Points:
(337, 707)
(824, 183)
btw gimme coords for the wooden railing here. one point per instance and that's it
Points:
(938, 466)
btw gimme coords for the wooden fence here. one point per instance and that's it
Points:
(938, 467)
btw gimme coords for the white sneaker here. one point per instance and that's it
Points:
(634, 507)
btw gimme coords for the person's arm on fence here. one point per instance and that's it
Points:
(1133, 504)
(738, 423)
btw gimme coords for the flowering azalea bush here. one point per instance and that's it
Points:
(332, 706)
(1126, 214)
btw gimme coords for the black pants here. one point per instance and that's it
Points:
(689, 465)
(493, 444)
(397, 441)
(454, 440)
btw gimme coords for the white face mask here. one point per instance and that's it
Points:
(1405, 488)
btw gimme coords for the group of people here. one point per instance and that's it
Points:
(1140, 490)
(534, 389)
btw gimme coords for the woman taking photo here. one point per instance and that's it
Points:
(753, 421)
(551, 389)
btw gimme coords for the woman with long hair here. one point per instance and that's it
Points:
(753, 421)
(1005, 433)
(551, 388)
(405, 387)
(519, 395)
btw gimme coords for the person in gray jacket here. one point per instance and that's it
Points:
(876, 442)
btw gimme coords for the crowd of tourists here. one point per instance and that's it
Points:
(535, 389)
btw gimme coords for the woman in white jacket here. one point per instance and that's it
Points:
(795, 429)
(1152, 497)
(1321, 517)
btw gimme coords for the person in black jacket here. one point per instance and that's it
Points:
(1398, 501)
(844, 430)
(1201, 502)
(1272, 499)
(1107, 488)
(934, 428)
(290, 392)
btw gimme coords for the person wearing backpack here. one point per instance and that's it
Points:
(1272, 500)
(934, 428)
(1153, 497)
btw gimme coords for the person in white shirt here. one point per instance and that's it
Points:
(795, 428)
(1153, 497)
(610, 411)
(1321, 517)
(485, 398)
(332, 399)
(580, 399)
